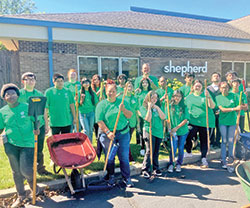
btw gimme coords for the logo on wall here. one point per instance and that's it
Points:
(186, 68)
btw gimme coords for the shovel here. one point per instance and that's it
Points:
(36, 108)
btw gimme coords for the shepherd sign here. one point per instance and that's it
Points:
(183, 69)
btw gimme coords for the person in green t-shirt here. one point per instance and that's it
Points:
(151, 112)
(146, 74)
(179, 117)
(60, 106)
(186, 89)
(121, 80)
(87, 104)
(228, 104)
(196, 104)
(19, 139)
(130, 98)
(140, 94)
(106, 115)
(29, 83)
(162, 90)
(235, 89)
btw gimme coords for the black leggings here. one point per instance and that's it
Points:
(61, 130)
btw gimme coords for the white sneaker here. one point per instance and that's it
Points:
(186, 154)
(170, 168)
(178, 168)
(204, 162)
(142, 152)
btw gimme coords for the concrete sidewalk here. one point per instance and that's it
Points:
(135, 170)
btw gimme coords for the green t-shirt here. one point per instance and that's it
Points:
(243, 101)
(87, 106)
(141, 96)
(138, 80)
(18, 125)
(107, 112)
(177, 115)
(58, 103)
(134, 107)
(157, 123)
(230, 101)
(24, 98)
(72, 87)
(161, 92)
(185, 90)
(197, 109)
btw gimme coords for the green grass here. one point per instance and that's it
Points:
(6, 179)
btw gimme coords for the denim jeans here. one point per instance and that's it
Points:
(180, 142)
(155, 151)
(227, 134)
(123, 153)
(87, 121)
(21, 162)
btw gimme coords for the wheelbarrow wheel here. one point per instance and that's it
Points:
(76, 179)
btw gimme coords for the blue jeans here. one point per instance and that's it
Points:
(87, 121)
(21, 162)
(122, 140)
(227, 135)
(180, 141)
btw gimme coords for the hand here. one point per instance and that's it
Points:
(36, 132)
(138, 90)
(206, 93)
(245, 92)
(82, 96)
(238, 108)
(74, 121)
(173, 132)
(150, 104)
(47, 129)
(121, 107)
(111, 135)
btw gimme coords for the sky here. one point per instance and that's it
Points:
(228, 9)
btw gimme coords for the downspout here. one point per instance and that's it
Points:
(50, 53)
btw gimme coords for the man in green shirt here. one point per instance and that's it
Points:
(146, 74)
(162, 90)
(59, 106)
(19, 139)
(186, 89)
(29, 83)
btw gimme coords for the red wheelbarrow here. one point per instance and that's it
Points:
(73, 151)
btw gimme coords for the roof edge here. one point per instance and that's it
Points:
(53, 24)
(178, 14)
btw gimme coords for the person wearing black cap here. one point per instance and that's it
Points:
(59, 106)
(186, 89)
(19, 139)
(29, 82)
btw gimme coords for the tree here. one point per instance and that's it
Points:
(17, 6)
(2, 46)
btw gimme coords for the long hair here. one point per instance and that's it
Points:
(93, 86)
(84, 79)
(149, 85)
(148, 98)
(194, 82)
(181, 103)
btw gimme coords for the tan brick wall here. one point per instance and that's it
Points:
(37, 63)
(235, 56)
(101, 50)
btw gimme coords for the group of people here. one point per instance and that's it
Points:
(148, 105)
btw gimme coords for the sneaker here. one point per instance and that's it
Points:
(178, 168)
(128, 183)
(18, 202)
(44, 172)
(111, 180)
(204, 162)
(157, 172)
(224, 165)
(186, 154)
(171, 169)
(142, 152)
(145, 174)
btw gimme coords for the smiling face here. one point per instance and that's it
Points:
(189, 79)
(29, 82)
(235, 84)
(111, 92)
(11, 96)
(145, 69)
(162, 82)
(197, 87)
(145, 84)
(130, 87)
(59, 82)
(86, 84)
(224, 88)
(154, 98)
(230, 77)
(72, 76)
(177, 98)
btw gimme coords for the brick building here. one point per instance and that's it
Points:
(111, 43)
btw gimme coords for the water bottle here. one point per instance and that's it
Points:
(113, 151)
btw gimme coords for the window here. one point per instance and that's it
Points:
(239, 68)
(108, 67)
(225, 67)
(248, 75)
(130, 67)
(87, 66)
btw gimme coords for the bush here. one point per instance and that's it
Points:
(174, 84)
